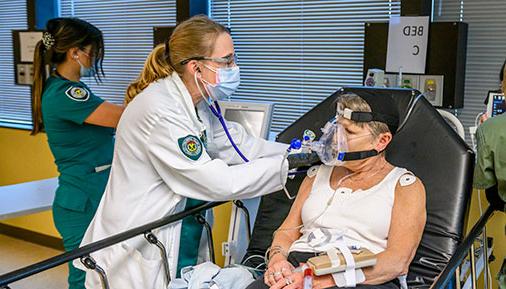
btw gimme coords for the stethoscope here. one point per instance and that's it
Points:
(216, 110)
(214, 106)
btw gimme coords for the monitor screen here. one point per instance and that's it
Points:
(496, 103)
(251, 120)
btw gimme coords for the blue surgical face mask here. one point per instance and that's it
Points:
(87, 71)
(227, 81)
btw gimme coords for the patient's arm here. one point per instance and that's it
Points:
(406, 228)
(287, 233)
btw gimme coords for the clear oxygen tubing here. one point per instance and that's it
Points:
(329, 202)
(410, 110)
(294, 144)
(216, 110)
(285, 157)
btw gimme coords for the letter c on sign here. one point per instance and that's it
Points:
(416, 49)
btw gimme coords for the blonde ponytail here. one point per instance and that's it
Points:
(191, 38)
(155, 67)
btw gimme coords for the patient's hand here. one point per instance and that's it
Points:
(297, 282)
(278, 269)
(292, 281)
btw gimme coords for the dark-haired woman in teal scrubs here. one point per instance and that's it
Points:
(79, 125)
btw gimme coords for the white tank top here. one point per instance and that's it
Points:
(362, 215)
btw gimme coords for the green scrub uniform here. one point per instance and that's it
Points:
(82, 154)
(491, 157)
(191, 230)
(189, 242)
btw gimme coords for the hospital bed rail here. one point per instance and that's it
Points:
(83, 252)
(451, 276)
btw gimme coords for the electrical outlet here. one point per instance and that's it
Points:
(432, 88)
(25, 74)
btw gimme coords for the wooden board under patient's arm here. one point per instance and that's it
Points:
(321, 265)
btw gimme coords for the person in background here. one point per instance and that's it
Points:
(79, 125)
(502, 88)
(490, 168)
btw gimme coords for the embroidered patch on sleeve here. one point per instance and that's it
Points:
(190, 146)
(78, 93)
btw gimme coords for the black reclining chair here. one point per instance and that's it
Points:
(425, 145)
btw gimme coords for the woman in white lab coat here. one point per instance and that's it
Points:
(169, 147)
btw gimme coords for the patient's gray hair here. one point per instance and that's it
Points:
(356, 103)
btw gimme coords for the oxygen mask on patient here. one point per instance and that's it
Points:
(333, 146)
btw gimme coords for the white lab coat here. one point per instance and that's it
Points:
(151, 178)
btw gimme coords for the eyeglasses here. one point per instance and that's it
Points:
(229, 60)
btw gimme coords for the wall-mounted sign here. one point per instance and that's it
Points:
(407, 44)
(24, 42)
(27, 42)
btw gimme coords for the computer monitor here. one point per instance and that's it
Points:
(255, 117)
(496, 104)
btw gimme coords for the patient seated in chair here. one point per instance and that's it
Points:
(356, 200)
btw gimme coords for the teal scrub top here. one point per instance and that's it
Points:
(78, 148)
(490, 166)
